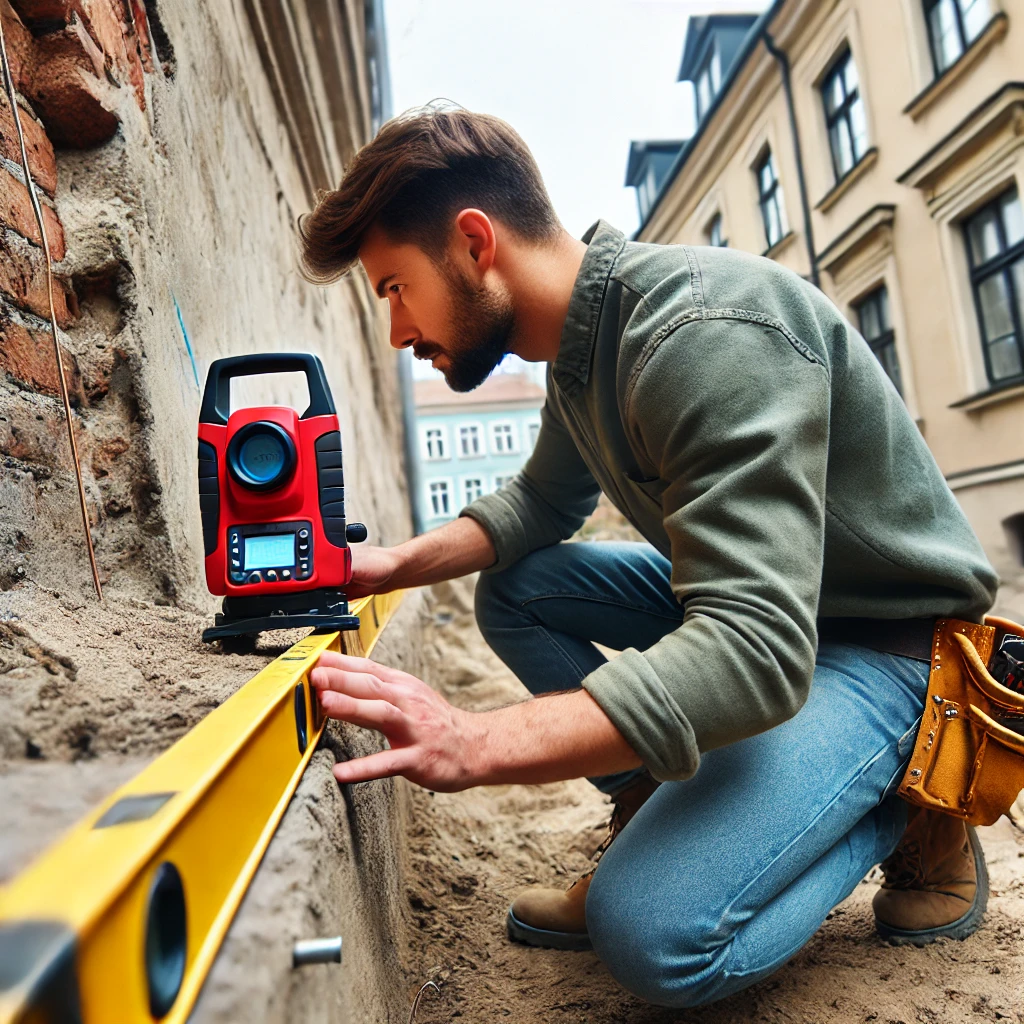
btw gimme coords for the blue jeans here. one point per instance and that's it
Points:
(720, 879)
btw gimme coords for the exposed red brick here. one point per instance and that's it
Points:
(109, 23)
(41, 161)
(19, 45)
(16, 212)
(23, 279)
(43, 10)
(66, 88)
(140, 22)
(28, 357)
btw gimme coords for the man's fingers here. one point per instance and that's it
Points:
(368, 714)
(355, 684)
(374, 766)
(350, 663)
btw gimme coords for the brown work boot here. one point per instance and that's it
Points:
(936, 883)
(557, 918)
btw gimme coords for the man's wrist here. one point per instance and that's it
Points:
(475, 743)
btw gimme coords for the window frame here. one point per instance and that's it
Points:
(442, 432)
(711, 66)
(886, 338)
(481, 439)
(531, 432)
(1000, 264)
(961, 30)
(445, 482)
(771, 196)
(842, 113)
(481, 479)
(718, 221)
(511, 434)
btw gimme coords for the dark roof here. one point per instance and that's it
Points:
(749, 44)
(638, 151)
(699, 31)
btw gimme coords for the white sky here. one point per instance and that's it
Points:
(578, 79)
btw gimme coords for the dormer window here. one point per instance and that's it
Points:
(708, 81)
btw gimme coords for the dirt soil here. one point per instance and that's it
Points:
(470, 854)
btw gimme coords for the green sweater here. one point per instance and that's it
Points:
(733, 416)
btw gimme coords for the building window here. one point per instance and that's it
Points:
(470, 443)
(472, 488)
(770, 199)
(440, 498)
(995, 244)
(952, 26)
(1013, 526)
(844, 115)
(714, 233)
(876, 327)
(709, 81)
(434, 443)
(532, 433)
(503, 438)
(503, 480)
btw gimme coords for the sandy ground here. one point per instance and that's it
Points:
(472, 852)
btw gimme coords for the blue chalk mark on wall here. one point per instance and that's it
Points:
(188, 343)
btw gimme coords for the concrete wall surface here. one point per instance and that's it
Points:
(175, 144)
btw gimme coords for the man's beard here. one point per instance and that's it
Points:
(481, 327)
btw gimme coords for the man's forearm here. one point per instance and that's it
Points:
(548, 739)
(455, 549)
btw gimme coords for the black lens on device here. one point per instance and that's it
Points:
(261, 456)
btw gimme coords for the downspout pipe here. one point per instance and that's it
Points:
(787, 85)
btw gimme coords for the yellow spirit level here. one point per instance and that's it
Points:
(121, 919)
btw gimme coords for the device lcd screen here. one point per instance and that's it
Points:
(270, 551)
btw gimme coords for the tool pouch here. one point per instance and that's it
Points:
(968, 758)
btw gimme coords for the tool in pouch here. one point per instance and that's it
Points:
(968, 758)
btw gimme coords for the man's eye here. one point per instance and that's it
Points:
(395, 289)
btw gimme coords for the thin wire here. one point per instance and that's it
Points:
(30, 185)
(419, 996)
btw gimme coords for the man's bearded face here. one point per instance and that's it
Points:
(481, 324)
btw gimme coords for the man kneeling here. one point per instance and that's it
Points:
(775, 631)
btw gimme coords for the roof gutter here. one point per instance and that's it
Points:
(787, 84)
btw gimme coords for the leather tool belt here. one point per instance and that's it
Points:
(968, 758)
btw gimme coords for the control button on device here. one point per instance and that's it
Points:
(303, 548)
(255, 577)
(235, 563)
(285, 574)
(271, 575)
(237, 577)
(303, 534)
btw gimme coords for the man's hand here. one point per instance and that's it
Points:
(429, 739)
(564, 736)
(455, 549)
(373, 569)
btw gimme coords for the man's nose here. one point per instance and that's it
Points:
(402, 335)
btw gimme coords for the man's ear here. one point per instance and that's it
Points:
(477, 238)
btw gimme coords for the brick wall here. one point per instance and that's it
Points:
(75, 63)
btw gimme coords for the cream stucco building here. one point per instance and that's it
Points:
(876, 147)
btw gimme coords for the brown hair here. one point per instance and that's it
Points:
(422, 167)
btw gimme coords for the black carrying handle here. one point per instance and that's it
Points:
(216, 405)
